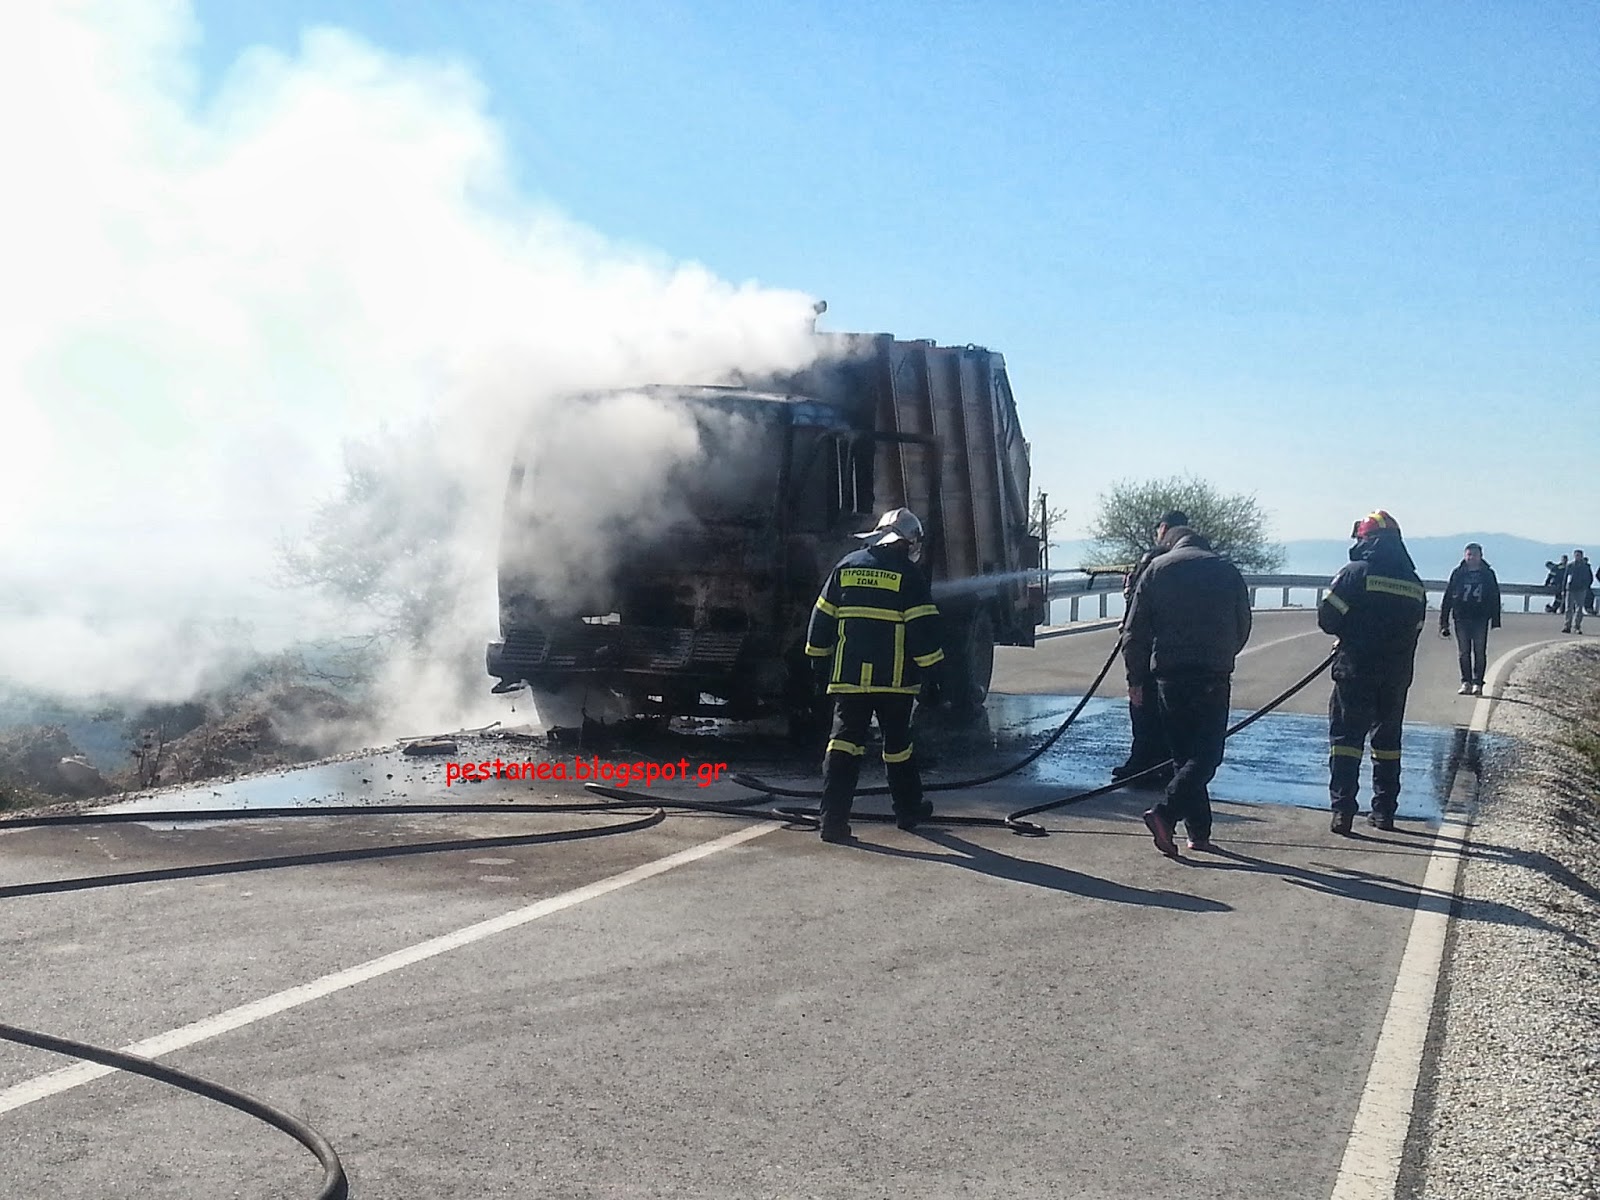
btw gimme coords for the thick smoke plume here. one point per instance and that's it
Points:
(303, 306)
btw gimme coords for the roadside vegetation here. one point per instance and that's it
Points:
(276, 712)
(1235, 523)
(1586, 738)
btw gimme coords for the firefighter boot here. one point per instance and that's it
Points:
(840, 773)
(905, 791)
(1382, 814)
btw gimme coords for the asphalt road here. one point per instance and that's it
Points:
(950, 1012)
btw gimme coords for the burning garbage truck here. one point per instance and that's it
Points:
(692, 597)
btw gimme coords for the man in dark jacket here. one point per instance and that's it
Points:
(1149, 743)
(1376, 608)
(1472, 597)
(1189, 619)
(874, 634)
(1580, 578)
(1556, 581)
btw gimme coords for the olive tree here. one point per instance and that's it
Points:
(1124, 526)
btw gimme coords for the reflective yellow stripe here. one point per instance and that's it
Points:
(1343, 751)
(866, 676)
(826, 609)
(1396, 587)
(1334, 600)
(843, 747)
(922, 610)
(871, 577)
(838, 660)
(817, 652)
(899, 675)
(896, 756)
(1386, 756)
(870, 614)
(851, 689)
(927, 660)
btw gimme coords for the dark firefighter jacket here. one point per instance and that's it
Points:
(877, 621)
(1190, 614)
(1472, 592)
(1376, 609)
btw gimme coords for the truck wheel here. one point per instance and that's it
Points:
(969, 665)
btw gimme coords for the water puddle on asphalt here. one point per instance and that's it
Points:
(383, 777)
(1281, 759)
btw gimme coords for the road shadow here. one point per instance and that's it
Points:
(970, 856)
(1575, 716)
(1551, 868)
(1371, 888)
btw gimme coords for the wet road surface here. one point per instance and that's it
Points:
(715, 1007)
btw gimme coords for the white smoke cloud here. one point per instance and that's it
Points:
(207, 297)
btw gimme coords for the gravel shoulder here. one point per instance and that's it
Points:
(1511, 1106)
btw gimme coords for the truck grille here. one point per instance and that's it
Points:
(630, 648)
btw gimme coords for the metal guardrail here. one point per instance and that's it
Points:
(1104, 584)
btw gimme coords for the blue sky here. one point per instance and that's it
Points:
(1340, 256)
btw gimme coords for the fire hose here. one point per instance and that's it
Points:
(335, 1186)
(1017, 821)
(334, 1183)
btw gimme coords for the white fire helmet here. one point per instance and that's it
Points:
(897, 525)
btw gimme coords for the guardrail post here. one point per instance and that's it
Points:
(1103, 596)
(1252, 597)
(1285, 597)
(1072, 610)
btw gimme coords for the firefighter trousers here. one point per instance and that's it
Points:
(1359, 705)
(841, 770)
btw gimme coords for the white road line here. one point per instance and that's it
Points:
(1293, 637)
(61, 1080)
(1371, 1166)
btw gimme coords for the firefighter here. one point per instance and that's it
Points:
(1376, 608)
(874, 635)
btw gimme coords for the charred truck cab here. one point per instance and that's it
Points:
(707, 614)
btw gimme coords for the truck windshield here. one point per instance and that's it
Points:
(734, 479)
(649, 461)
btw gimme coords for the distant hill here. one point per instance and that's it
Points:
(1514, 559)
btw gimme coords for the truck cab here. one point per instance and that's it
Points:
(702, 608)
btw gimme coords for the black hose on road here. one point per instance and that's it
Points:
(785, 814)
(1017, 821)
(1275, 702)
(757, 784)
(327, 810)
(334, 1184)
